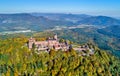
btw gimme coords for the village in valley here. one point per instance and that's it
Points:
(55, 43)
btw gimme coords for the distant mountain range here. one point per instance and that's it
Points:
(62, 17)
(9, 22)
(100, 20)
(43, 21)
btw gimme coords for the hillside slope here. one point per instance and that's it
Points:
(103, 38)
(16, 59)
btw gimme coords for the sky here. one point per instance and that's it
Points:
(91, 7)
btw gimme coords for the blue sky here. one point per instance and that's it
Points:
(92, 7)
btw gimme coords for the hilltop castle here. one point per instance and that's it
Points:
(53, 43)
(48, 44)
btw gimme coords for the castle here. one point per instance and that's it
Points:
(48, 44)
(53, 43)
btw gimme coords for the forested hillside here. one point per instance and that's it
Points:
(16, 59)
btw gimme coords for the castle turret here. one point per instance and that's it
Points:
(31, 41)
(55, 37)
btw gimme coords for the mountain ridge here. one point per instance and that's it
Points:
(100, 20)
(20, 21)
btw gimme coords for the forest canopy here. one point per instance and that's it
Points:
(16, 59)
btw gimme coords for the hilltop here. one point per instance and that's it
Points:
(17, 59)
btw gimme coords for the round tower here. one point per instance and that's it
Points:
(55, 37)
(31, 41)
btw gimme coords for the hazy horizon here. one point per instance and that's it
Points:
(90, 7)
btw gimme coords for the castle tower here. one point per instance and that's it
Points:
(55, 37)
(31, 41)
